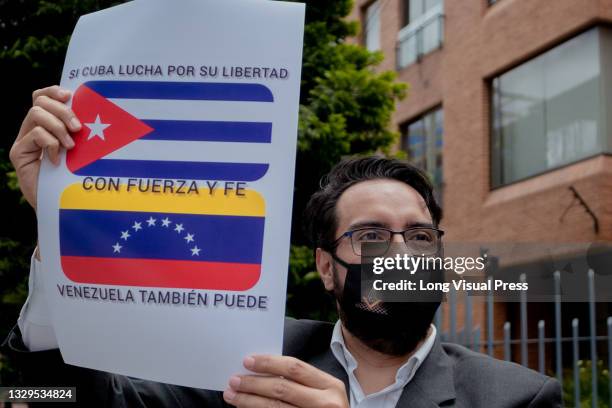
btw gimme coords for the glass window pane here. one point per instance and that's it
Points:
(431, 35)
(415, 10)
(546, 112)
(605, 108)
(405, 12)
(423, 140)
(372, 26)
(429, 4)
(408, 51)
(521, 107)
(436, 168)
(416, 144)
(424, 32)
(572, 100)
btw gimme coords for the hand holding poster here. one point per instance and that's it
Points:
(165, 231)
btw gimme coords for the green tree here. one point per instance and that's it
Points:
(33, 40)
(585, 385)
(345, 108)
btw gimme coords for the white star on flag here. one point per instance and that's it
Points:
(137, 226)
(125, 235)
(179, 228)
(166, 222)
(195, 251)
(117, 248)
(189, 238)
(151, 221)
(97, 128)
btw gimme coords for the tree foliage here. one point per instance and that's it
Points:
(585, 384)
(34, 36)
(345, 109)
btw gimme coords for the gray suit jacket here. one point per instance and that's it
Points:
(450, 376)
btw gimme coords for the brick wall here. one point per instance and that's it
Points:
(481, 42)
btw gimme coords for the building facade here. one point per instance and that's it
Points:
(509, 108)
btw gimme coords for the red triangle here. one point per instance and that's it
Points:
(123, 128)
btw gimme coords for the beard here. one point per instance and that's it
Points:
(392, 328)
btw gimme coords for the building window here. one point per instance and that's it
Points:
(423, 30)
(415, 9)
(422, 140)
(371, 26)
(552, 110)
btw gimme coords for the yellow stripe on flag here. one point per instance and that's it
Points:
(75, 197)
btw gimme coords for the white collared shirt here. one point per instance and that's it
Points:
(35, 320)
(387, 397)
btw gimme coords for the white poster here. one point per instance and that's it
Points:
(165, 232)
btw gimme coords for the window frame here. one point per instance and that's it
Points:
(605, 148)
(427, 139)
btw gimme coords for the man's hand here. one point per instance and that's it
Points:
(46, 128)
(285, 382)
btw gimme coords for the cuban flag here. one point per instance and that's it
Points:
(132, 238)
(124, 119)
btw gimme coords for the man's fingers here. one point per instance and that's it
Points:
(46, 141)
(39, 117)
(289, 382)
(54, 92)
(291, 368)
(60, 110)
(242, 400)
(30, 147)
(275, 388)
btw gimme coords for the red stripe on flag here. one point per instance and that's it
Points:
(161, 273)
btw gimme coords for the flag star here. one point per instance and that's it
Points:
(125, 234)
(189, 238)
(179, 228)
(97, 128)
(137, 226)
(166, 222)
(116, 248)
(151, 221)
(195, 251)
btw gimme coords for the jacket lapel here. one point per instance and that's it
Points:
(432, 384)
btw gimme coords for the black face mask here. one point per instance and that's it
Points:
(393, 328)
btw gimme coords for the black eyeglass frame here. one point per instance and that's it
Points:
(349, 234)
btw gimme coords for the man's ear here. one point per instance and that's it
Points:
(325, 267)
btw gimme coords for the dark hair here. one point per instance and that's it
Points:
(320, 213)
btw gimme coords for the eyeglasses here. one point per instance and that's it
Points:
(419, 240)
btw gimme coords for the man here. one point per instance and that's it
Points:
(376, 355)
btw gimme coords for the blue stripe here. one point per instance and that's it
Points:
(220, 238)
(201, 91)
(174, 170)
(209, 131)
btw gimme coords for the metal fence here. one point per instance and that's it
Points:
(471, 337)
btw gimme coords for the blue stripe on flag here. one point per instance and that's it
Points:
(174, 170)
(202, 91)
(221, 238)
(209, 131)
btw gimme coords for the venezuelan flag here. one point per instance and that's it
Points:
(134, 238)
